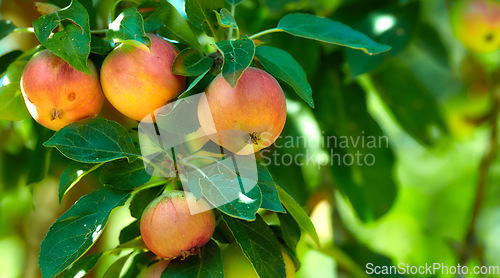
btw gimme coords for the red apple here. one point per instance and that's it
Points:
(56, 94)
(476, 23)
(247, 118)
(137, 82)
(170, 229)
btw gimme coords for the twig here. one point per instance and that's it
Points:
(483, 175)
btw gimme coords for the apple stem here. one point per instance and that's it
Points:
(265, 32)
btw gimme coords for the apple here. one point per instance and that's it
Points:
(246, 118)
(176, 225)
(137, 82)
(154, 270)
(476, 23)
(56, 94)
(237, 265)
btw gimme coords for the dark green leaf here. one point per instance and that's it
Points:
(238, 55)
(176, 27)
(191, 63)
(123, 175)
(326, 30)
(142, 199)
(40, 158)
(298, 214)
(200, 13)
(140, 261)
(415, 109)
(94, 140)
(155, 14)
(361, 159)
(116, 268)
(72, 174)
(398, 34)
(6, 27)
(224, 193)
(129, 232)
(100, 46)
(283, 66)
(83, 265)
(72, 43)
(198, 84)
(225, 19)
(270, 198)
(259, 244)
(77, 230)
(128, 28)
(7, 59)
(208, 264)
(290, 230)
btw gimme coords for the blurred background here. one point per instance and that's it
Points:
(429, 96)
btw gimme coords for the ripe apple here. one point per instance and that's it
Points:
(247, 118)
(56, 94)
(154, 270)
(237, 265)
(137, 82)
(476, 23)
(170, 229)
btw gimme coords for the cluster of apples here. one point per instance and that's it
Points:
(476, 23)
(137, 82)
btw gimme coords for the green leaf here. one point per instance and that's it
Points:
(298, 214)
(283, 66)
(93, 141)
(72, 43)
(326, 30)
(200, 13)
(238, 55)
(259, 244)
(176, 27)
(72, 174)
(234, 2)
(199, 84)
(130, 232)
(225, 19)
(208, 264)
(416, 109)
(270, 197)
(116, 268)
(366, 180)
(289, 229)
(123, 175)
(77, 230)
(7, 59)
(224, 193)
(142, 199)
(12, 106)
(39, 163)
(140, 261)
(191, 63)
(128, 28)
(6, 27)
(154, 13)
(83, 265)
(100, 46)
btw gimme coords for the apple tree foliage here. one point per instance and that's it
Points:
(316, 58)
